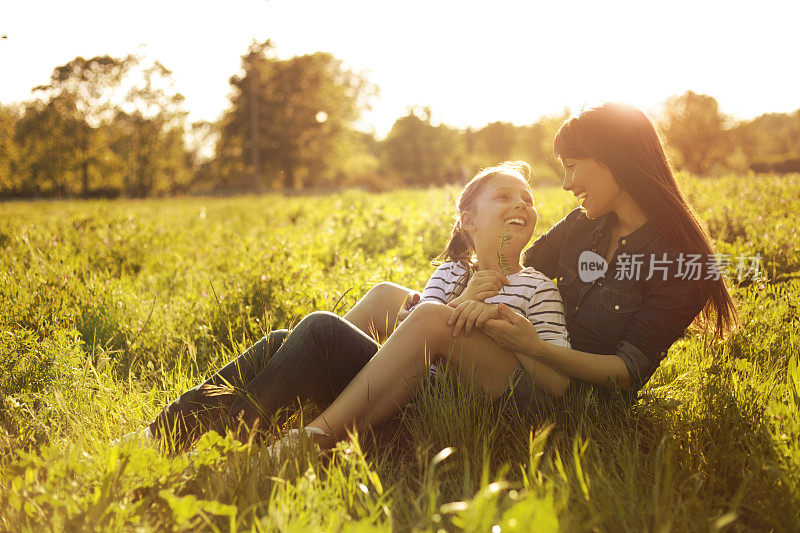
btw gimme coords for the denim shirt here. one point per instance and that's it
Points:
(635, 315)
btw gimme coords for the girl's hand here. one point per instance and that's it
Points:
(469, 314)
(411, 300)
(483, 284)
(512, 331)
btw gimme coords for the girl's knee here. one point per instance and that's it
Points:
(385, 297)
(386, 290)
(431, 311)
(430, 319)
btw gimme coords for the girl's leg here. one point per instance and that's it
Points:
(376, 312)
(203, 406)
(316, 362)
(386, 383)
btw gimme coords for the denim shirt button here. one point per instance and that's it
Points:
(616, 308)
(624, 241)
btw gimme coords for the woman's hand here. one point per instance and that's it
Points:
(471, 313)
(411, 300)
(483, 284)
(512, 331)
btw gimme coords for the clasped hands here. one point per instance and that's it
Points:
(469, 309)
(502, 324)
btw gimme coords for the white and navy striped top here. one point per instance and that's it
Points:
(529, 292)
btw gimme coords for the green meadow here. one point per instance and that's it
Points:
(110, 309)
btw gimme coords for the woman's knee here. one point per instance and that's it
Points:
(320, 326)
(318, 319)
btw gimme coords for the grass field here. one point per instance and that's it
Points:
(108, 310)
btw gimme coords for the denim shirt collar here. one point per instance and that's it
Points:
(632, 242)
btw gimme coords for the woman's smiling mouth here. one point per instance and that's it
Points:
(516, 221)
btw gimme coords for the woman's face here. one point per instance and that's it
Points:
(592, 183)
(504, 203)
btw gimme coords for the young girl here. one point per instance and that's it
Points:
(331, 360)
(496, 218)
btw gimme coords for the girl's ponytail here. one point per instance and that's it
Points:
(458, 249)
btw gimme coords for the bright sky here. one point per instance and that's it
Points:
(471, 62)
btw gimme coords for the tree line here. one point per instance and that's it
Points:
(111, 127)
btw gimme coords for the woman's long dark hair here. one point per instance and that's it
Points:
(623, 139)
(460, 248)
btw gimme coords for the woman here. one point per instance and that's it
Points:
(621, 324)
(661, 269)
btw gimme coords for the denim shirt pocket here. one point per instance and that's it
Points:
(566, 281)
(615, 314)
(566, 276)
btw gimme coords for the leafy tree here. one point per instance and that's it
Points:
(770, 142)
(289, 122)
(46, 148)
(536, 143)
(502, 141)
(81, 91)
(10, 177)
(695, 129)
(420, 153)
(496, 142)
(148, 136)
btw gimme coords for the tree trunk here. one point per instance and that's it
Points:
(85, 176)
(254, 136)
(288, 177)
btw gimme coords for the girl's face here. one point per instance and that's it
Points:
(592, 183)
(505, 201)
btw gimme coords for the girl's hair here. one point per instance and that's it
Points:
(623, 139)
(460, 248)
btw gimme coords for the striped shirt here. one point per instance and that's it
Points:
(529, 293)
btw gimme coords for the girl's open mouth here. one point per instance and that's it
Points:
(516, 221)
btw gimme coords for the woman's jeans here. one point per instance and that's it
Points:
(315, 361)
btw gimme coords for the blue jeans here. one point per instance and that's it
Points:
(315, 361)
